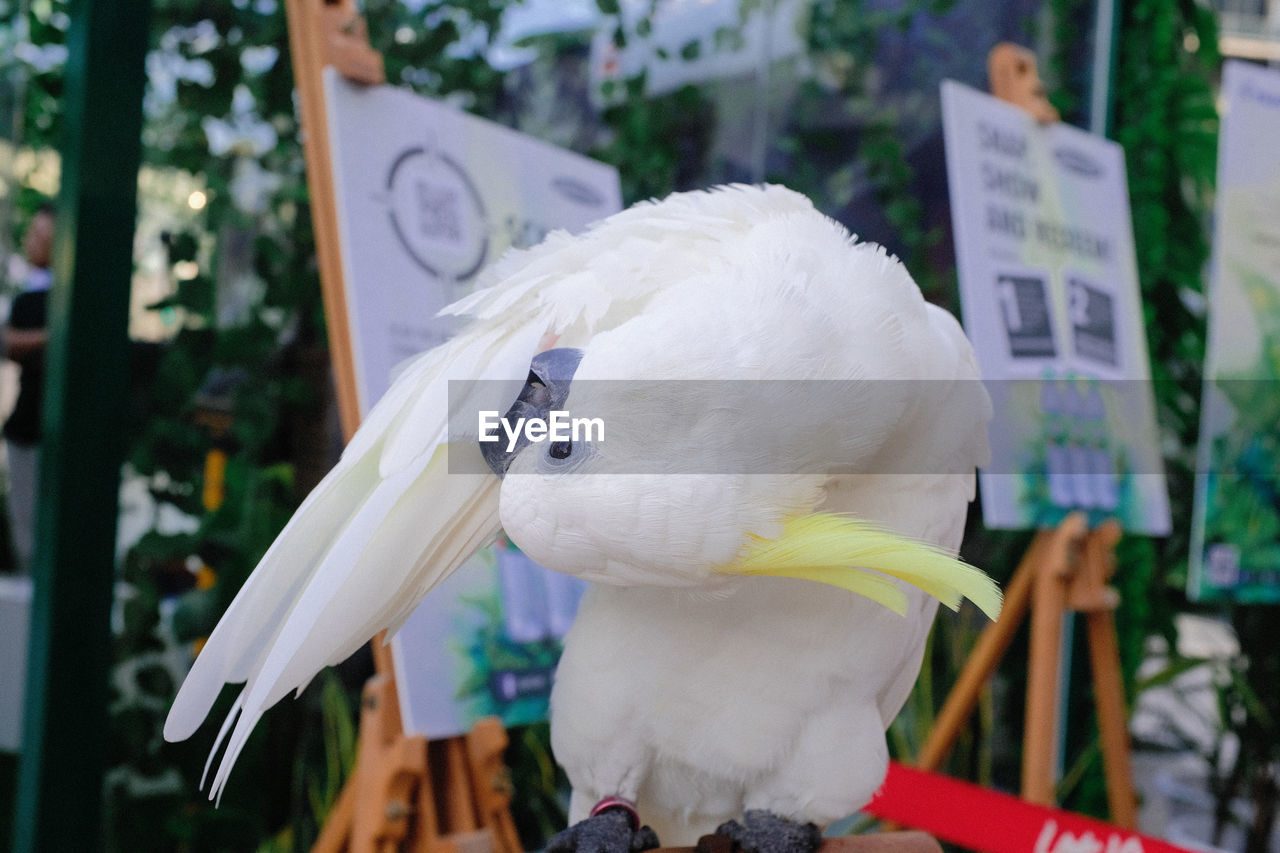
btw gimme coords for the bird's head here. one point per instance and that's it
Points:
(627, 508)
(611, 488)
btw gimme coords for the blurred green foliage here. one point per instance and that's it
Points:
(1162, 113)
(1166, 119)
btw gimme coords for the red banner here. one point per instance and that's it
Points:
(994, 822)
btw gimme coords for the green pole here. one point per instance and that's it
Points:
(64, 747)
(1105, 48)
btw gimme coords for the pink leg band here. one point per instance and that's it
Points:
(618, 803)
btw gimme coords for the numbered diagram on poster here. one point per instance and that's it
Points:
(427, 197)
(1235, 547)
(1050, 299)
(1022, 297)
(1091, 310)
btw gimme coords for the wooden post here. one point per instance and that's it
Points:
(1099, 601)
(992, 643)
(329, 33)
(388, 767)
(491, 782)
(1040, 732)
(459, 808)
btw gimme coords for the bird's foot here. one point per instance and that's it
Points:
(765, 832)
(614, 827)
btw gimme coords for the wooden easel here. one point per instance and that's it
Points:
(1013, 77)
(405, 793)
(1063, 569)
(408, 794)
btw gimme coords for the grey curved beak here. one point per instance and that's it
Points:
(546, 390)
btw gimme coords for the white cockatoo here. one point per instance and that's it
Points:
(767, 516)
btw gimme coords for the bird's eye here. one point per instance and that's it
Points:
(560, 449)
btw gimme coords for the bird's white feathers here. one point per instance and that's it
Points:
(696, 691)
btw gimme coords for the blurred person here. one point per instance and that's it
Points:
(24, 341)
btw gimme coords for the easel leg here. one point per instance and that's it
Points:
(1108, 683)
(1066, 568)
(389, 767)
(981, 665)
(337, 826)
(1040, 743)
(1108, 695)
(1050, 552)
(491, 782)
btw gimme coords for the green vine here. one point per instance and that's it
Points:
(1166, 121)
(1164, 117)
(844, 38)
(1168, 124)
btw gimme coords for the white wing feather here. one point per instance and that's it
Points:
(389, 521)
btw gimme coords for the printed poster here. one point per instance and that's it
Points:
(427, 196)
(1235, 547)
(1050, 299)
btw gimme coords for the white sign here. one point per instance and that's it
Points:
(1235, 546)
(427, 196)
(1050, 299)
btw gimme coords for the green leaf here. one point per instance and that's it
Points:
(1176, 668)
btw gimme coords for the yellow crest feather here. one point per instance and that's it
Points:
(855, 555)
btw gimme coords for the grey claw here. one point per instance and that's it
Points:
(610, 831)
(765, 832)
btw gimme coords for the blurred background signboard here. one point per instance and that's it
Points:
(1235, 548)
(1049, 293)
(427, 197)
